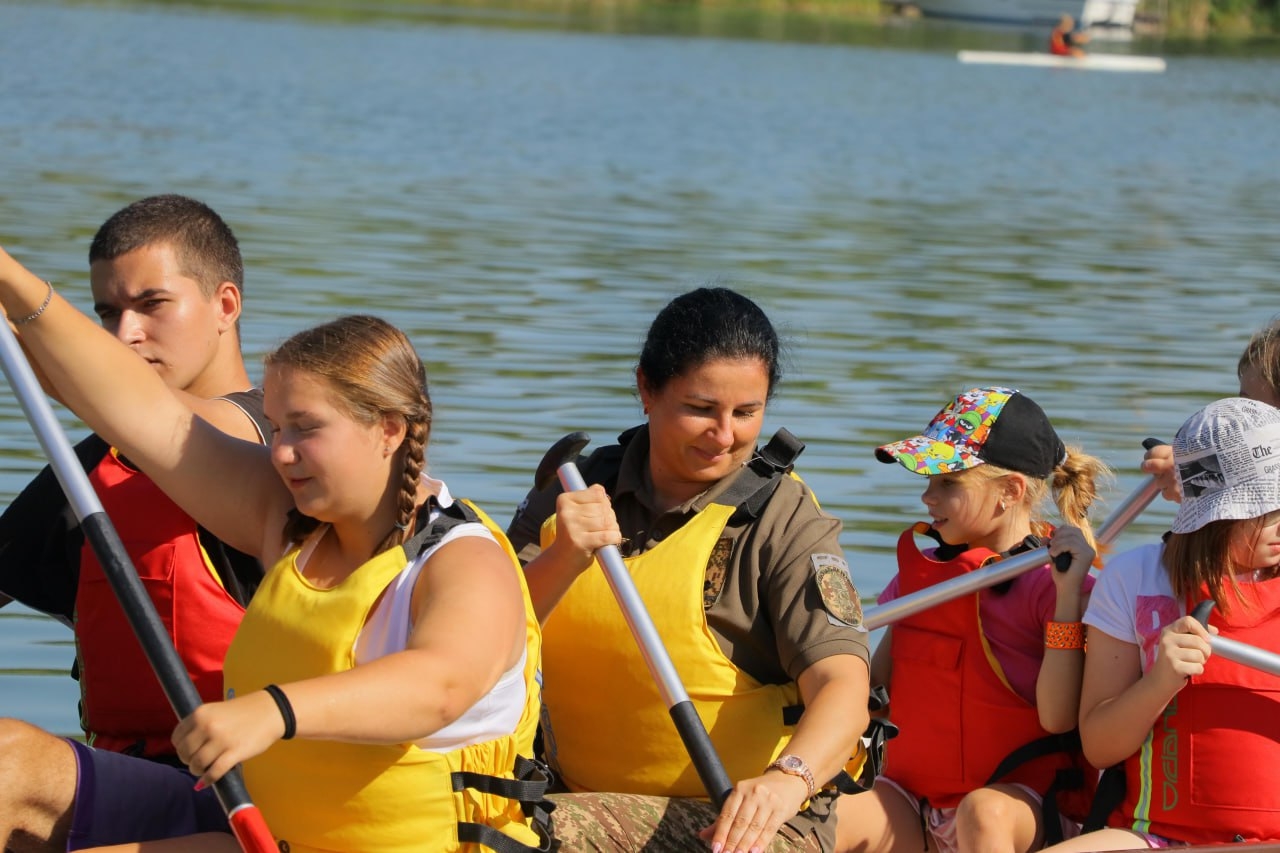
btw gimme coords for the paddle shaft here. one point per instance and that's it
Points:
(245, 819)
(1234, 650)
(1245, 654)
(685, 716)
(1003, 570)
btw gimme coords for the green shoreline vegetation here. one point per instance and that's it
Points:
(1172, 26)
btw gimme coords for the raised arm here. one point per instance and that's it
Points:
(226, 484)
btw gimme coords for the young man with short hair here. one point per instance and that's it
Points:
(167, 280)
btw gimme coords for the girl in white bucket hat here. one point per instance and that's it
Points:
(1197, 738)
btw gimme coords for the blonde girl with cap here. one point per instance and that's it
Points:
(1198, 737)
(974, 679)
(381, 687)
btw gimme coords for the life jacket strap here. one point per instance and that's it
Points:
(878, 733)
(428, 534)
(1068, 742)
(1066, 779)
(749, 493)
(755, 486)
(529, 788)
(1108, 797)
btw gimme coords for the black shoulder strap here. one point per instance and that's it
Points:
(240, 573)
(429, 533)
(604, 463)
(754, 486)
(250, 402)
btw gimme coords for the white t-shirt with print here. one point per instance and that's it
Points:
(1133, 600)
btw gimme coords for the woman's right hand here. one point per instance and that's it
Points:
(585, 523)
(217, 736)
(1183, 651)
(1158, 462)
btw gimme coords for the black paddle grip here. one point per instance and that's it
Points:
(1148, 443)
(564, 450)
(1201, 612)
(698, 743)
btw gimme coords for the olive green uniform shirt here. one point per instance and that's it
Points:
(762, 599)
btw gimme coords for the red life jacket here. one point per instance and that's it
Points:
(1058, 44)
(1210, 770)
(958, 717)
(123, 707)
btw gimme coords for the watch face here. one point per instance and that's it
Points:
(790, 762)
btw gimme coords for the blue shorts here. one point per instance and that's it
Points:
(120, 799)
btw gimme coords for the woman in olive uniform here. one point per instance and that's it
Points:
(743, 575)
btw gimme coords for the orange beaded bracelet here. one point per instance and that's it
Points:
(1064, 635)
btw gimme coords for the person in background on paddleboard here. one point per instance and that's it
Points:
(1066, 40)
(1258, 372)
(382, 686)
(976, 678)
(167, 280)
(752, 599)
(1197, 737)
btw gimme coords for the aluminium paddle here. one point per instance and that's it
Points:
(1234, 650)
(1003, 570)
(247, 823)
(559, 460)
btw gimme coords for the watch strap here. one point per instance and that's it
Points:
(794, 765)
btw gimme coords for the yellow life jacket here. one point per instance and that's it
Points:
(605, 726)
(319, 795)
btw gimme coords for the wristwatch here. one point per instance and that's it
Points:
(794, 765)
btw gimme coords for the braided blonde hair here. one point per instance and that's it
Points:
(373, 371)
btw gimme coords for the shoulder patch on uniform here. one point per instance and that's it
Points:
(839, 596)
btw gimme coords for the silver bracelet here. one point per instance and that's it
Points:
(48, 297)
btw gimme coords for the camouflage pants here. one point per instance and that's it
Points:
(630, 823)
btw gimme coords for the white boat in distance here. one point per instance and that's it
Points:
(1088, 62)
(1097, 16)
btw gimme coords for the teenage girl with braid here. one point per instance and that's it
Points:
(388, 661)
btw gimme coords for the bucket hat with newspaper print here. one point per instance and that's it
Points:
(1002, 426)
(1227, 456)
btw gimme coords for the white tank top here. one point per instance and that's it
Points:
(387, 630)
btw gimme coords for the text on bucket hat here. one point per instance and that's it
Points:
(998, 425)
(1227, 456)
